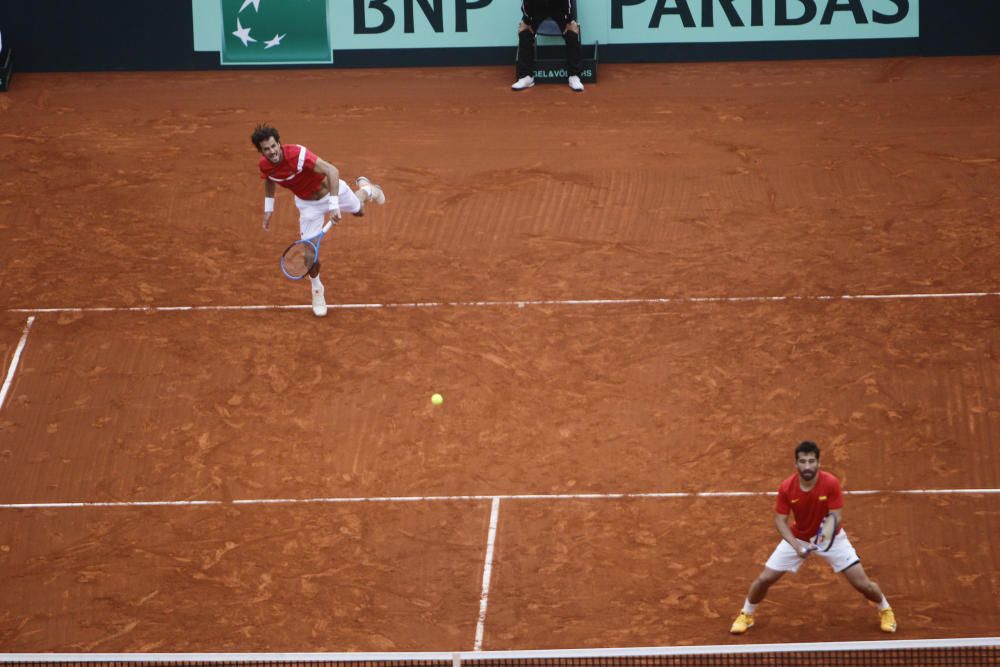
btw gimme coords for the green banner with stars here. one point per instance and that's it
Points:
(275, 32)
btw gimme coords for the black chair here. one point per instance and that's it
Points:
(6, 65)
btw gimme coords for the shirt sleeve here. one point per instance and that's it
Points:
(835, 498)
(781, 505)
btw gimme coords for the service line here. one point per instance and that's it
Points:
(471, 498)
(14, 362)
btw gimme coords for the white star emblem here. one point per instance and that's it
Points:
(274, 42)
(247, 3)
(243, 33)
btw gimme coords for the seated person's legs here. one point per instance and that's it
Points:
(574, 51)
(526, 50)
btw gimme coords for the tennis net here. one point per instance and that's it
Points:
(969, 652)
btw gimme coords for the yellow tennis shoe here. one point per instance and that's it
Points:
(742, 623)
(887, 620)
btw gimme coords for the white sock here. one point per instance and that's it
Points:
(883, 605)
(317, 285)
(749, 607)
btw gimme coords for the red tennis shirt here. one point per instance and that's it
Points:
(295, 171)
(809, 507)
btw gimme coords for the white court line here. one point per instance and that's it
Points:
(14, 362)
(519, 303)
(487, 572)
(474, 498)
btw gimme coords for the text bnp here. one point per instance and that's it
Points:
(431, 11)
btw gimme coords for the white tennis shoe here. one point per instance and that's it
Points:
(575, 84)
(319, 303)
(523, 83)
(376, 190)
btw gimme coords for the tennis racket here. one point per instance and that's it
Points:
(301, 256)
(823, 539)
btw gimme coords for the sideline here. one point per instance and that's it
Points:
(14, 362)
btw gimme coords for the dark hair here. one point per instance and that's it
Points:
(807, 447)
(262, 132)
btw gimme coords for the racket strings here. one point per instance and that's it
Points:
(824, 537)
(299, 258)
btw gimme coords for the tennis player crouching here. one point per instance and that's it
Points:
(312, 180)
(810, 495)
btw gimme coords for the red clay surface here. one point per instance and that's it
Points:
(798, 179)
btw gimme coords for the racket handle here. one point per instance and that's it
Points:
(326, 227)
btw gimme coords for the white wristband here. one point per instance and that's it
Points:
(268, 204)
(334, 206)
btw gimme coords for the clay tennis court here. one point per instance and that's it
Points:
(656, 287)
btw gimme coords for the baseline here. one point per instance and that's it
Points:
(520, 303)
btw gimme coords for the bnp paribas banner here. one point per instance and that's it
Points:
(260, 32)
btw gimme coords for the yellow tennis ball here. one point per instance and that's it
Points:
(437, 399)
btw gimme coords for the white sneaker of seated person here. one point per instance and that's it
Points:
(576, 84)
(523, 83)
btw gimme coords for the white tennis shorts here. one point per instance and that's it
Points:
(311, 211)
(840, 556)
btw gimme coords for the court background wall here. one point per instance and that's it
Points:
(98, 35)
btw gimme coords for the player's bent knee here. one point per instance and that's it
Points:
(769, 576)
(573, 26)
(856, 574)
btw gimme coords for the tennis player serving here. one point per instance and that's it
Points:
(810, 496)
(319, 193)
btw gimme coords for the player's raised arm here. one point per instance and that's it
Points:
(268, 203)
